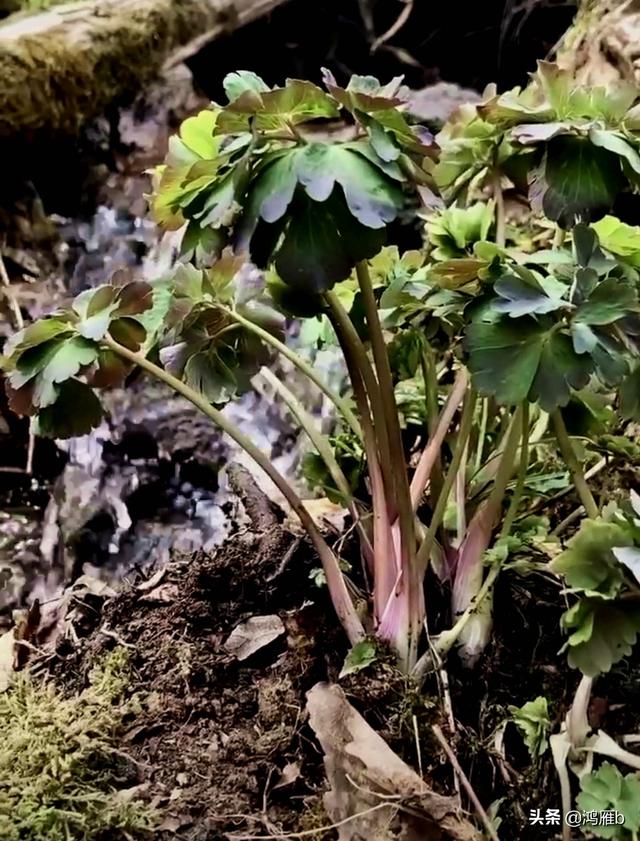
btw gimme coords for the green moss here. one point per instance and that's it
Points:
(59, 79)
(38, 5)
(59, 764)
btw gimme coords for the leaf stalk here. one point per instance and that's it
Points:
(301, 364)
(575, 468)
(340, 597)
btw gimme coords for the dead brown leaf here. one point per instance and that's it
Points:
(128, 795)
(254, 634)
(152, 582)
(164, 593)
(88, 585)
(326, 513)
(369, 780)
(171, 823)
(289, 774)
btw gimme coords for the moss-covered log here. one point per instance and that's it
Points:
(61, 68)
(603, 43)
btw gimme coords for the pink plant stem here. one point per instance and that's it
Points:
(385, 557)
(432, 450)
(470, 569)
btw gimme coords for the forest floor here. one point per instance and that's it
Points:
(217, 735)
(224, 743)
(221, 739)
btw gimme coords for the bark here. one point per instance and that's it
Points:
(602, 46)
(61, 68)
(8, 6)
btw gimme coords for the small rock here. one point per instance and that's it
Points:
(436, 103)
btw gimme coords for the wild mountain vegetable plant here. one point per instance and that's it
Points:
(601, 567)
(460, 357)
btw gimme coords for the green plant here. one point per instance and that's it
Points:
(573, 147)
(532, 719)
(607, 790)
(601, 567)
(473, 344)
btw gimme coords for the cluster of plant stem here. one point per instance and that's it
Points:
(459, 359)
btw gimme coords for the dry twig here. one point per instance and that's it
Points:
(309, 833)
(11, 300)
(403, 17)
(464, 780)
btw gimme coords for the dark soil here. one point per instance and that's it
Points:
(521, 663)
(214, 735)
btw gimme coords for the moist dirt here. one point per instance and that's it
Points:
(223, 744)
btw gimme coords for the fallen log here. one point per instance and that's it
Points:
(61, 68)
(602, 46)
